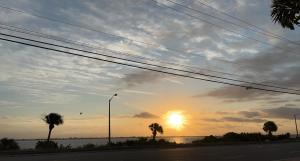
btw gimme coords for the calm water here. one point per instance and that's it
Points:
(30, 144)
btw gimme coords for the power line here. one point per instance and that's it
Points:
(154, 65)
(86, 27)
(51, 37)
(70, 41)
(146, 68)
(110, 34)
(246, 22)
(219, 26)
(269, 34)
(59, 21)
(159, 66)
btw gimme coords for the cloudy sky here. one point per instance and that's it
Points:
(34, 82)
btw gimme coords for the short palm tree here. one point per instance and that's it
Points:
(155, 127)
(270, 127)
(286, 12)
(53, 119)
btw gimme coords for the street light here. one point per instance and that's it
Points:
(109, 141)
(296, 124)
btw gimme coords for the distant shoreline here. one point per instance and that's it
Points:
(78, 138)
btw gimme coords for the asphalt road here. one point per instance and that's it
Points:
(266, 152)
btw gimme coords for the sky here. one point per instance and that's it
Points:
(35, 82)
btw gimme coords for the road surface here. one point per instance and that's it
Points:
(266, 152)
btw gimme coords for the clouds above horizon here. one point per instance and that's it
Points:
(286, 112)
(274, 67)
(145, 115)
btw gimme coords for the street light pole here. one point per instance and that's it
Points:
(109, 139)
(296, 125)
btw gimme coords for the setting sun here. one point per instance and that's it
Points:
(175, 120)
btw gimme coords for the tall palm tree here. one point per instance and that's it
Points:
(155, 127)
(286, 12)
(270, 127)
(53, 119)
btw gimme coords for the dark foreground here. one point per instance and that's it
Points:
(266, 152)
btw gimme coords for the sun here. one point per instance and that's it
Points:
(175, 120)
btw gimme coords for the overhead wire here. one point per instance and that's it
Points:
(146, 68)
(263, 32)
(149, 64)
(88, 45)
(50, 37)
(86, 27)
(72, 24)
(126, 38)
(89, 28)
(219, 26)
(245, 22)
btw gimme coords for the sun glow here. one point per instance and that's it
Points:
(175, 120)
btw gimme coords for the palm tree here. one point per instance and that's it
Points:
(286, 12)
(53, 119)
(270, 127)
(155, 127)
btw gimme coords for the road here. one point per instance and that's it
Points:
(266, 152)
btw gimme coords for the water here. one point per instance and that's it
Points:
(30, 144)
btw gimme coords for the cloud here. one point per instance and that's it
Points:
(285, 112)
(9, 105)
(250, 114)
(139, 92)
(234, 94)
(141, 77)
(211, 120)
(278, 101)
(282, 112)
(235, 119)
(145, 115)
(272, 66)
(239, 119)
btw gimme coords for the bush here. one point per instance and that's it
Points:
(283, 136)
(8, 144)
(231, 136)
(161, 142)
(210, 139)
(143, 141)
(45, 145)
(243, 137)
(62, 147)
(89, 146)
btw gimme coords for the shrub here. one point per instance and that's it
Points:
(89, 146)
(163, 141)
(143, 141)
(45, 145)
(8, 144)
(62, 147)
(252, 137)
(210, 139)
(284, 136)
(244, 137)
(231, 136)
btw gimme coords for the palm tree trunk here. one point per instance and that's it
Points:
(154, 135)
(270, 133)
(49, 134)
